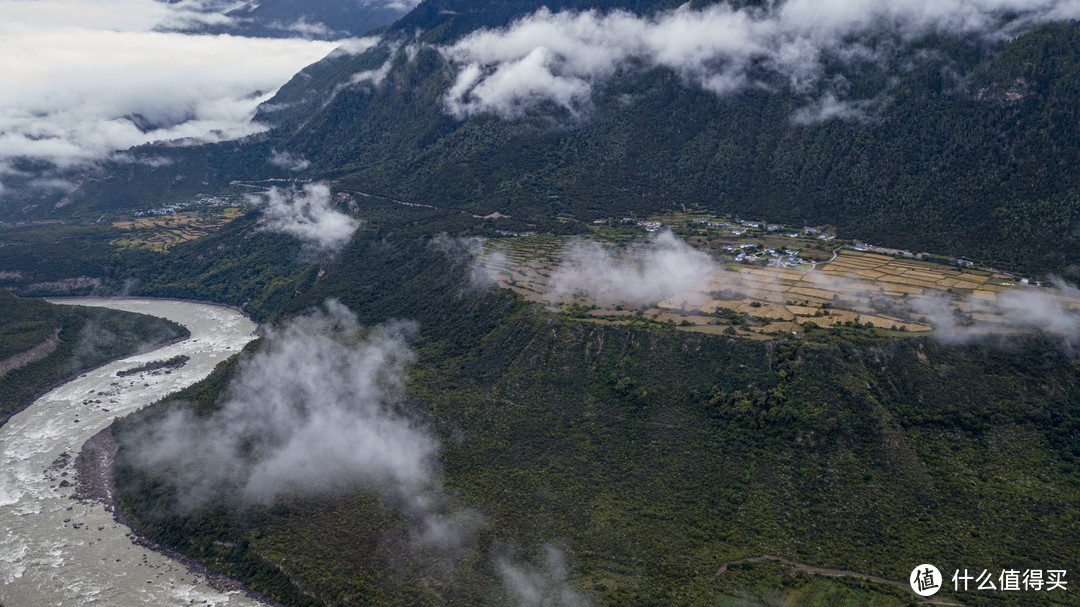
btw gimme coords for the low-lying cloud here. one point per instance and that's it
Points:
(317, 409)
(354, 46)
(560, 57)
(288, 161)
(85, 79)
(540, 584)
(320, 408)
(307, 214)
(1051, 311)
(484, 262)
(644, 272)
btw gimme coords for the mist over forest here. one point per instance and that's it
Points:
(566, 303)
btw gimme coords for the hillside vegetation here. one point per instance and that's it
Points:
(599, 463)
(651, 457)
(84, 338)
(967, 151)
(943, 168)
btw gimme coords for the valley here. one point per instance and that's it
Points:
(562, 303)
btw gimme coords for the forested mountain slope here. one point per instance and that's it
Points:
(984, 167)
(647, 458)
(610, 461)
(44, 344)
(954, 142)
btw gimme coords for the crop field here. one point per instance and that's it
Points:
(854, 288)
(160, 232)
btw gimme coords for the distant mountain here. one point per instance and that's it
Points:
(951, 137)
(316, 19)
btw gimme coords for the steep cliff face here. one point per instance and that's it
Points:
(36, 353)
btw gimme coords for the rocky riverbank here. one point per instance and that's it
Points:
(94, 483)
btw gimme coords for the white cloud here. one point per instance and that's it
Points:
(559, 57)
(354, 46)
(541, 584)
(830, 108)
(111, 15)
(402, 5)
(315, 410)
(305, 28)
(85, 79)
(645, 272)
(373, 76)
(1053, 311)
(484, 263)
(309, 215)
(288, 161)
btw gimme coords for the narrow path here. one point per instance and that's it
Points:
(825, 571)
(835, 252)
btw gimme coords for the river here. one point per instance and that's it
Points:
(55, 550)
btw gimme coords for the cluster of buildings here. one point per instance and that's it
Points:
(815, 233)
(204, 201)
(783, 258)
(741, 227)
(752, 253)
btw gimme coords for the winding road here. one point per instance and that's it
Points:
(55, 550)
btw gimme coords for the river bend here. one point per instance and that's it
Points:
(57, 551)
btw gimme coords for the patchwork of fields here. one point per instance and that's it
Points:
(854, 287)
(159, 232)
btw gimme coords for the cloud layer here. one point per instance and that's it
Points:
(84, 79)
(483, 262)
(540, 584)
(559, 57)
(307, 214)
(288, 161)
(645, 272)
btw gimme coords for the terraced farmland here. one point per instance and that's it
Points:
(755, 301)
(159, 232)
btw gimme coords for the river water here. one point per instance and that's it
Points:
(58, 551)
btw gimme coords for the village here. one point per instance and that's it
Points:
(200, 203)
(162, 227)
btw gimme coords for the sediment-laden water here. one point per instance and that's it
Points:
(55, 550)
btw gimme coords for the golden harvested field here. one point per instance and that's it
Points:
(902, 289)
(907, 280)
(821, 294)
(855, 287)
(160, 232)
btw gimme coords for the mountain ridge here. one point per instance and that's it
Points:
(956, 144)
